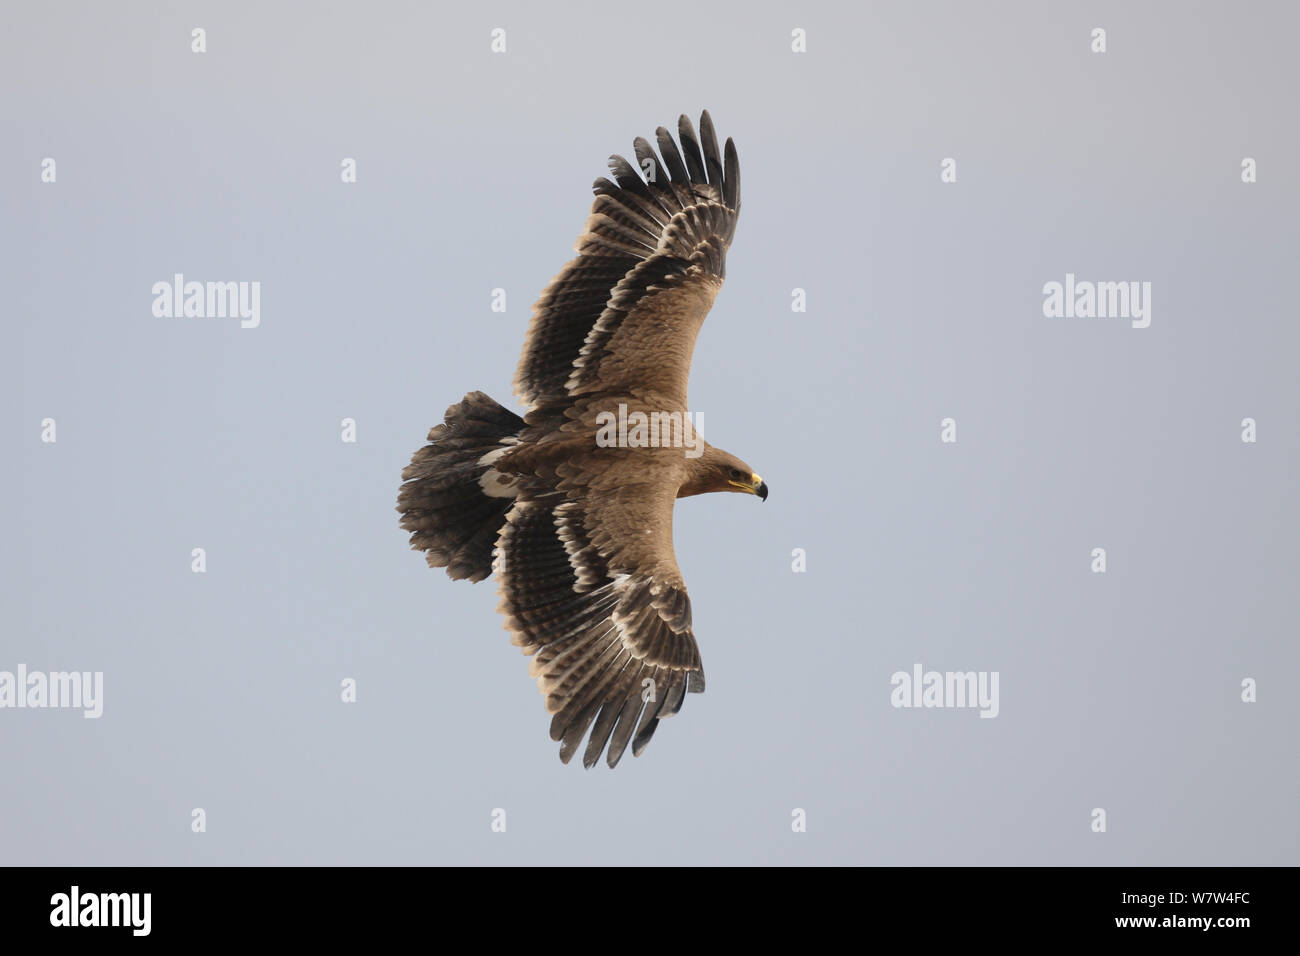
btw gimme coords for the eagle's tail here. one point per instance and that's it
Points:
(453, 508)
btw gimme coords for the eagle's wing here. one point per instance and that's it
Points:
(622, 317)
(590, 587)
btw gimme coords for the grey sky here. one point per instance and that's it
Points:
(924, 301)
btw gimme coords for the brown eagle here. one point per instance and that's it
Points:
(579, 527)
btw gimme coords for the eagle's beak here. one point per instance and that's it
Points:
(755, 486)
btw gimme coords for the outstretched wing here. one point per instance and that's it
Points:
(622, 317)
(590, 588)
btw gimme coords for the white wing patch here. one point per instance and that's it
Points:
(582, 558)
(493, 483)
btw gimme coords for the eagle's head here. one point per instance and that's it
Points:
(717, 470)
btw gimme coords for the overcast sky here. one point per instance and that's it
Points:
(1119, 691)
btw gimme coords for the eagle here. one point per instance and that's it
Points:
(577, 524)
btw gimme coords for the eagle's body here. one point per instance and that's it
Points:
(579, 532)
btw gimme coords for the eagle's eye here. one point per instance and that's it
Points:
(735, 474)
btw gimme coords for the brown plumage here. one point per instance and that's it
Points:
(580, 534)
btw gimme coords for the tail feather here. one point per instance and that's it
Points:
(443, 500)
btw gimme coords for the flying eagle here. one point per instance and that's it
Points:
(579, 530)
